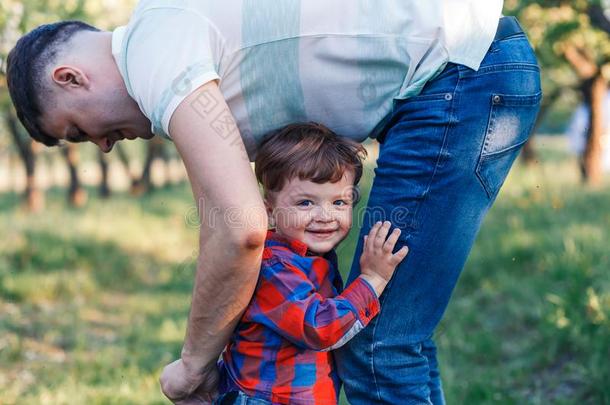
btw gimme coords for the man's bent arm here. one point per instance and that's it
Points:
(233, 221)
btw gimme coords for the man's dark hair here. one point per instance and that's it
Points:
(26, 65)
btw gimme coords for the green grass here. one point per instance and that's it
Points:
(529, 321)
(93, 301)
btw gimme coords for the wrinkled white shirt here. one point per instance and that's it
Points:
(337, 62)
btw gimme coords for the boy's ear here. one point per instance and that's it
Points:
(269, 209)
(268, 206)
(356, 195)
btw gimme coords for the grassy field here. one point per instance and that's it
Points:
(93, 301)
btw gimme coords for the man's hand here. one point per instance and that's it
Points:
(377, 263)
(186, 387)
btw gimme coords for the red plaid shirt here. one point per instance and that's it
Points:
(280, 350)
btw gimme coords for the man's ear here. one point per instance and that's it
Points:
(70, 77)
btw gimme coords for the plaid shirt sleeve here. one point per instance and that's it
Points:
(288, 302)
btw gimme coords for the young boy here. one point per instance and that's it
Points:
(280, 351)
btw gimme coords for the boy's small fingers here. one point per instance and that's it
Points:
(401, 254)
(382, 234)
(385, 229)
(374, 229)
(372, 236)
(392, 239)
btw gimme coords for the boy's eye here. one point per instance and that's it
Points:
(305, 203)
(340, 202)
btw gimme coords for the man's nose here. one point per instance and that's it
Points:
(105, 144)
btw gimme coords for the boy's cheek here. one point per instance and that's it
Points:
(293, 219)
(348, 218)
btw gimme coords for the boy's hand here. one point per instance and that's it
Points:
(377, 263)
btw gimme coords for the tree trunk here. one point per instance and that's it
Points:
(124, 159)
(594, 89)
(77, 196)
(104, 188)
(28, 149)
(528, 154)
(165, 158)
(144, 183)
(592, 158)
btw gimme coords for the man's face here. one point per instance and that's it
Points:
(102, 119)
(319, 215)
(89, 102)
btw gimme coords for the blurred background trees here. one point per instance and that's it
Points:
(39, 163)
(571, 39)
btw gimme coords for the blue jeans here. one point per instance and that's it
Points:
(442, 160)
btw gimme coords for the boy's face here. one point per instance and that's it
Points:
(319, 215)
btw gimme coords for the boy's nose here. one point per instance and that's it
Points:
(323, 214)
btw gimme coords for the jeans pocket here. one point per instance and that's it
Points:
(511, 120)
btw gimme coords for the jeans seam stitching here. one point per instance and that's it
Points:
(492, 155)
(502, 67)
(482, 151)
(375, 325)
(377, 391)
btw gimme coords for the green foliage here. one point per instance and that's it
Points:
(554, 25)
(18, 17)
(530, 319)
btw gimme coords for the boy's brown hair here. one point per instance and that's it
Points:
(309, 151)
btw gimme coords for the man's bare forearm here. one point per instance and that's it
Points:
(224, 283)
(233, 218)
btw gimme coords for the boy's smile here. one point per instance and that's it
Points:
(319, 215)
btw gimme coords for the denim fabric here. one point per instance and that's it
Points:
(443, 158)
(239, 398)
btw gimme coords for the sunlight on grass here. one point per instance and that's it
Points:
(94, 301)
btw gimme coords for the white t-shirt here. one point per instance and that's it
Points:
(337, 62)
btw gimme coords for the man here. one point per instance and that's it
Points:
(449, 89)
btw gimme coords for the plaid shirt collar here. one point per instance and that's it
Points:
(300, 248)
(294, 245)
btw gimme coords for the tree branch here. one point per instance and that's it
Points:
(584, 67)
